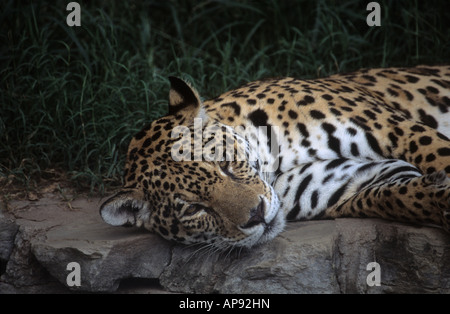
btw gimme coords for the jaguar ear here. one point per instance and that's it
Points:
(184, 100)
(126, 208)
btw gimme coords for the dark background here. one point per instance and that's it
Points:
(72, 97)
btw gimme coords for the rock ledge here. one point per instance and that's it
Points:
(38, 239)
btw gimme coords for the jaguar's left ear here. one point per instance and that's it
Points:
(184, 100)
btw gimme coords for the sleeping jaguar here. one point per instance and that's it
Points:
(232, 170)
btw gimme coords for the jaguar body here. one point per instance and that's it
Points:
(232, 170)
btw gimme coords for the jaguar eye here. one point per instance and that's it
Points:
(224, 165)
(193, 209)
(226, 169)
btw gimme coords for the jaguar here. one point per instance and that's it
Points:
(232, 170)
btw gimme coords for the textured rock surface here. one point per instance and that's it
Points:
(38, 239)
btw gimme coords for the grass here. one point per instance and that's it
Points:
(72, 97)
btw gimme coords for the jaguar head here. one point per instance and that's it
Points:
(188, 177)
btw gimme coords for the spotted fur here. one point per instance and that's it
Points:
(372, 143)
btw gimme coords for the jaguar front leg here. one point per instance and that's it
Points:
(391, 189)
(423, 199)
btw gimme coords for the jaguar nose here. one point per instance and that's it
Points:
(256, 216)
